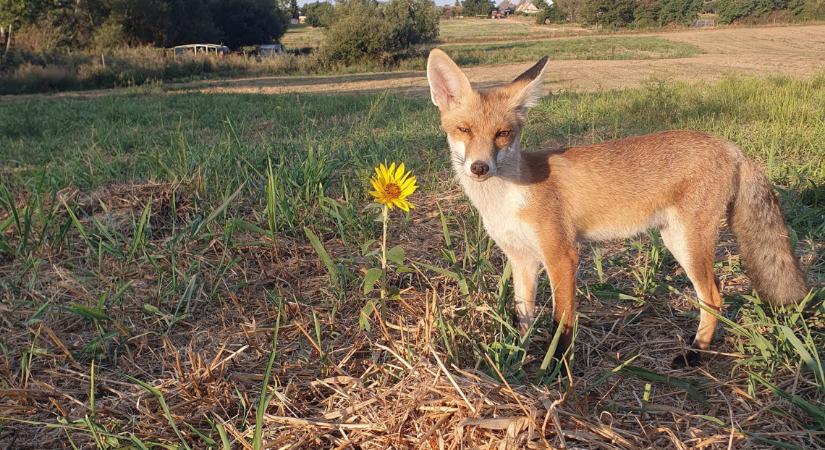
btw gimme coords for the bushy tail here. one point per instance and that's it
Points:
(763, 239)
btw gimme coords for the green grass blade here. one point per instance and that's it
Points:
(815, 412)
(218, 211)
(263, 401)
(163, 406)
(803, 352)
(462, 282)
(138, 237)
(693, 392)
(332, 269)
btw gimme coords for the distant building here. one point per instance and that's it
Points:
(527, 7)
(506, 8)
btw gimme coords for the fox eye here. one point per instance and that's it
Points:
(503, 133)
(464, 129)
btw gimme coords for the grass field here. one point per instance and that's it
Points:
(584, 48)
(187, 271)
(457, 31)
(302, 36)
(516, 41)
(487, 30)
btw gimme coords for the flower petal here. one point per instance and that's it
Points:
(410, 183)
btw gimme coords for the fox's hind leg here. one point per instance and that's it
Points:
(691, 239)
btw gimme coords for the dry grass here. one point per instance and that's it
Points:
(333, 384)
(139, 313)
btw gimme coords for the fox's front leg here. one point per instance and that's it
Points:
(525, 280)
(562, 260)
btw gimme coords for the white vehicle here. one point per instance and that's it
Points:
(267, 50)
(201, 49)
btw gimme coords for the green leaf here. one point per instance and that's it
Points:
(217, 211)
(370, 278)
(550, 354)
(693, 392)
(364, 315)
(332, 269)
(714, 420)
(138, 237)
(462, 282)
(88, 313)
(605, 375)
(403, 269)
(803, 352)
(365, 247)
(263, 400)
(163, 406)
(396, 255)
(814, 411)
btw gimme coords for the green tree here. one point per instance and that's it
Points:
(731, 10)
(366, 30)
(318, 14)
(549, 13)
(190, 21)
(11, 11)
(75, 22)
(570, 8)
(647, 13)
(679, 11)
(355, 32)
(249, 22)
(411, 22)
(476, 7)
(608, 13)
(142, 21)
(808, 9)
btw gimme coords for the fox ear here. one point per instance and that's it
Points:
(526, 89)
(448, 84)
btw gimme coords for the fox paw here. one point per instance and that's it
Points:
(690, 358)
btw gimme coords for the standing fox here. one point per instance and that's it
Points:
(537, 205)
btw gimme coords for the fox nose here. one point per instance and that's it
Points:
(479, 168)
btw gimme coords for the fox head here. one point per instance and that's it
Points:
(483, 129)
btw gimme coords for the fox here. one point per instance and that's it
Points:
(539, 206)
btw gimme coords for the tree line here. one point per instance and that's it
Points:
(649, 13)
(383, 32)
(109, 23)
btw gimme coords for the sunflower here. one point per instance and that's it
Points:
(393, 186)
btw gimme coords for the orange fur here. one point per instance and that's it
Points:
(539, 205)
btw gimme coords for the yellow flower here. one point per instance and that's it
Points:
(393, 186)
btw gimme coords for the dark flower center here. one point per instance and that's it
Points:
(393, 190)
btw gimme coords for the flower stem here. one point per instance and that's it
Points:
(385, 219)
